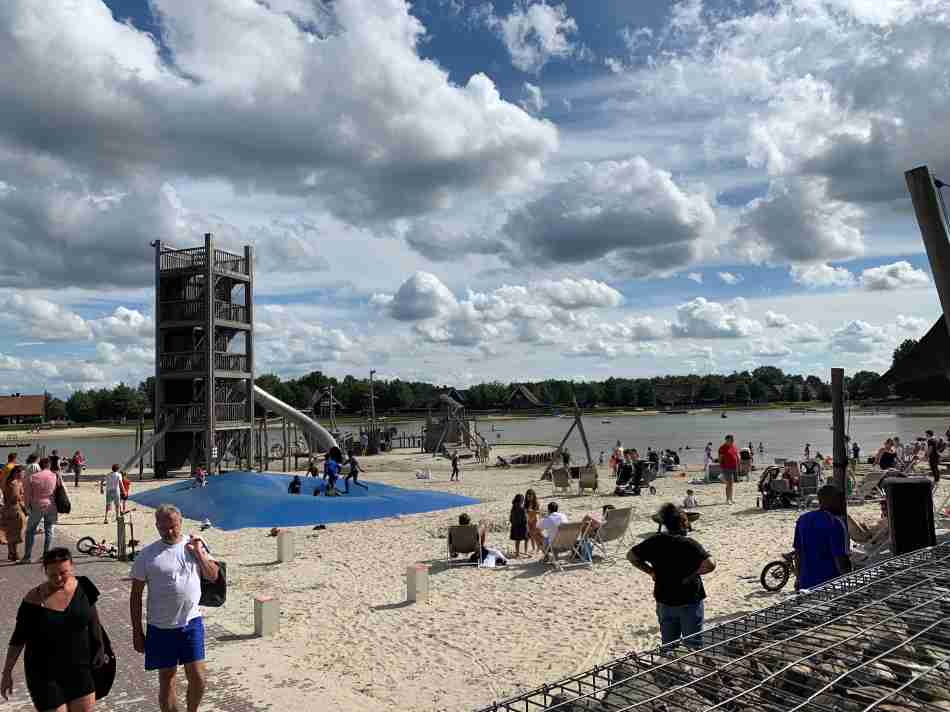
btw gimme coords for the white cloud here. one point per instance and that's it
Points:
(776, 321)
(770, 348)
(821, 276)
(702, 319)
(532, 98)
(534, 33)
(729, 278)
(41, 318)
(899, 275)
(126, 325)
(696, 277)
(422, 296)
(579, 293)
(628, 211)
(911, 324)
(858, 337)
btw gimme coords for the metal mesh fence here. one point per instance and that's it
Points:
(874, 640)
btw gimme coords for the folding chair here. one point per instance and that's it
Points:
(612, 531)
(561, 478)
(463, 540)
(587, 479)
(565, 538)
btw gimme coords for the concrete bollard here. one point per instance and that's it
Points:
(266, 616)
(417, 582)
(285, 547)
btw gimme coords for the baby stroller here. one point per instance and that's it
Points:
(631, 477)
(779, 487)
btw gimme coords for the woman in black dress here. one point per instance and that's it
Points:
(519, 524)
(58, 624)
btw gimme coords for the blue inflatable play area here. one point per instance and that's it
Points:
(238, 500)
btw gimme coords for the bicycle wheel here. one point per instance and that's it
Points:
(86, 545)
(775, 575)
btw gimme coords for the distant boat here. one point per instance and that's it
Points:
(605, 421)
(674, 412)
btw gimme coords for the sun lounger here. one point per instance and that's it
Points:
(612, 532)
(565, 539)
(463, 541)
(870, 486)
(561, 478)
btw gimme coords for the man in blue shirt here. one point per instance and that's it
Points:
(821, 541)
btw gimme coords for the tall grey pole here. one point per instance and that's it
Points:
(840, 448)
(372, 402)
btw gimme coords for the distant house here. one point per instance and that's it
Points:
(810, 393)
(22, 409)
(669, 395)
(521, 398)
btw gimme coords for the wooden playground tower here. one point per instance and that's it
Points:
(204, 365)
(452, 428)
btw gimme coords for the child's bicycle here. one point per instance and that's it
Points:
(89, 546)
(776, 574)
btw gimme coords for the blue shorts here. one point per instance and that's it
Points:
(171, 647)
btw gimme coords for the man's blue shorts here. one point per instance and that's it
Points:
(171, 647)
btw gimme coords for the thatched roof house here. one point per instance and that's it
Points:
(521, 397)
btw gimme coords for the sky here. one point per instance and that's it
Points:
(460, 191)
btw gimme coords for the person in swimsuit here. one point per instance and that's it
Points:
(58, 624)
(533, 511)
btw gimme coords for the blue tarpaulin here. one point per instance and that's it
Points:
(238, 500)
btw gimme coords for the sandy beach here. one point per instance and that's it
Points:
(349, 639)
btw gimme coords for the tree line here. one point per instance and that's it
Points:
(124, 402)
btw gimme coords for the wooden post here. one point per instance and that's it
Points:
(140, 444)
(933, 230)
(840, 450)
(210, 338)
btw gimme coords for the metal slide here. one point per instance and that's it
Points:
(148, 444)
(316, 433)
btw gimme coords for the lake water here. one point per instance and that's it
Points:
(783, 434)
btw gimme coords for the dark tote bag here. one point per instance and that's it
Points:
(215, 593)
(60, 498)
(104, 676)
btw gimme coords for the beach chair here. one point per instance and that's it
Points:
(561, 479)
(464, 541)
(587, 479)
(565, 539)
(612, 532)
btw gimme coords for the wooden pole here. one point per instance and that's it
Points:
(140, 444)
(840, 448)
(933, 230)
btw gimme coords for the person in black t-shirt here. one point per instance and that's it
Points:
(676, 564)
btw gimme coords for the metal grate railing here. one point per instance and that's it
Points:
(877, 639)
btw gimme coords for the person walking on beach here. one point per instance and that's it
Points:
(728, 466)
(113, 492)
(933, 456)
(54, 461)
(32, 465)
(707, 459)
(331, 471)
(7, 469)
(807, 452)
(172, 569)
(455, 467)
(676, 563)
(855, 450)
(821, 541)
(38, 500)
(76, 463)
(354, 473)
(58, 624)
(518, 518)
(13, 516)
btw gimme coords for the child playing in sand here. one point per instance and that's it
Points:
(124, 490)
(519, 524)
(690, 502)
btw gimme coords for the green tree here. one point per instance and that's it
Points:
(769, 375)
(861, 384)
(742, 393)
(905, 348)
(791, 392)
(81, 407)
(55, 409)
(758, 391)
(710, 391)
(629, 394)
(646, 395)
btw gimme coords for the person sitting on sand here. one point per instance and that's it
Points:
(872, 535)
(886, 457)
(294, 486)
(690, 502)
(464, 521)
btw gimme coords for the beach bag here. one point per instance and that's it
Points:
(104, 676)
(60, 498)
(215, 593)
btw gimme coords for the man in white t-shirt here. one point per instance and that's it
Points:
(172, 569)
(113, 492)
(551, 522)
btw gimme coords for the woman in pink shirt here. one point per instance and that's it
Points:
(38, 499)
